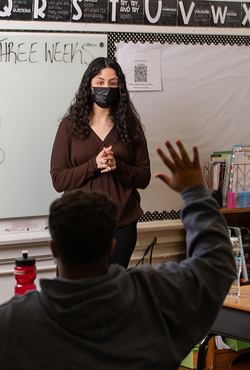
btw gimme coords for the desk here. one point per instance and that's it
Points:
(233, 321)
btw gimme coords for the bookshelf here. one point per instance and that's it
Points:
(239, 217)
(216, 176)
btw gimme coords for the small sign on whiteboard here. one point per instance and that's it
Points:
(142, 69)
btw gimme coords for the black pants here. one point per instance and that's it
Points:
(126, 237)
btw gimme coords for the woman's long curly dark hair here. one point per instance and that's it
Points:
(122, 113)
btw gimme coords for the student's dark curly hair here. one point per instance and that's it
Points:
(126, 120)
(77, 225)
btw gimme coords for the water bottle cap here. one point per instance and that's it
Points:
(25, 260)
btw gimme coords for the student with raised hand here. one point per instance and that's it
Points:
(96, 316)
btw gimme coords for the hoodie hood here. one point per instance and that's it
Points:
(104, 302)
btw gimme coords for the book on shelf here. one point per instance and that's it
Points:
(220, 161)
(220, 156)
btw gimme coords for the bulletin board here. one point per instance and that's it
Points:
(205, 101)
(39, 76)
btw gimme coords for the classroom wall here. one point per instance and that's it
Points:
(9, 225)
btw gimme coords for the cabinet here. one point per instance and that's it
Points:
(226, 359)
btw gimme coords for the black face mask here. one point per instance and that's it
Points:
(105, 96)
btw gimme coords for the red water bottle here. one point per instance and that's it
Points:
(25, 273)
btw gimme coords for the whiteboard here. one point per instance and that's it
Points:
(205, 101)
(39, 76)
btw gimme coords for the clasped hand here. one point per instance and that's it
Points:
(105, 160)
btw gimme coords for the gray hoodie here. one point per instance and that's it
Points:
(141, 318)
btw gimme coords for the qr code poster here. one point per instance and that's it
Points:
(142, 69)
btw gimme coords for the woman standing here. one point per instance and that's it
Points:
(100, 145)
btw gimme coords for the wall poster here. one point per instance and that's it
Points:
(142, 69)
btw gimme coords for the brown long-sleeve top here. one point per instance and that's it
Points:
(73, 166)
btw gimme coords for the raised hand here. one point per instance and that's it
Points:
(185, 173)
